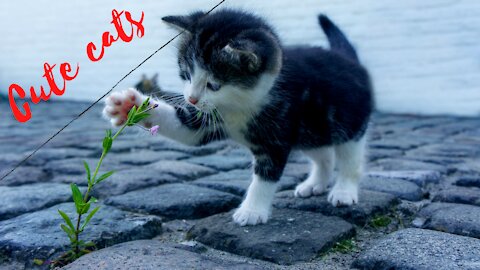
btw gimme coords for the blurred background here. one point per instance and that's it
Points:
(424, 56)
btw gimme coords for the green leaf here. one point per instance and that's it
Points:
(104, 176)
(139, 117)
(107, 141)
(85, 208)
(67, 219)
(87, 168)
(67, 231)
(38, 261)
(77, 197)
(144, 105)
(107, 144)
(92, 199)
(90, 215)
(89, 244)
(131, 113)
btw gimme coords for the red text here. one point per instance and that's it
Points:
(108, 39)
(26, 114)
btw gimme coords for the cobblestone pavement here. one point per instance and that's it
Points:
(169, 206)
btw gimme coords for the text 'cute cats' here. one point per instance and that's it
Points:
(125, 29)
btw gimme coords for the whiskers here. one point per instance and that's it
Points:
(207, 120)
(213, 128)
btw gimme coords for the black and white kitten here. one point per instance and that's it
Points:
(270, 98)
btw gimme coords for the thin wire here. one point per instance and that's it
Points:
(99, 99)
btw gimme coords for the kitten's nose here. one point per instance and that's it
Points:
(193, 100)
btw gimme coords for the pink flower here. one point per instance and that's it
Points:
(154, 130)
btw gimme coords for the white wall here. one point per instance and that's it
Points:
(424, 55)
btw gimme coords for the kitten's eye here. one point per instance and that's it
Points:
(213, 86)
(185, 76)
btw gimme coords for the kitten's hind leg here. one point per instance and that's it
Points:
(321, 173)
(350, 162)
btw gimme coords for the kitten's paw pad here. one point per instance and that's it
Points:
(244, 217)
(305, 190)
(118, 104)
(343, 196)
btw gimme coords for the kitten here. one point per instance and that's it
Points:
(270, 98)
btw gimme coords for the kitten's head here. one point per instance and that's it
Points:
(228, 59)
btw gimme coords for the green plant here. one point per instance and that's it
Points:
(83, 201)
(380, 221)
(345, 246)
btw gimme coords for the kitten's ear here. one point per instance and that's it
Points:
(243, 55)
(182, 23)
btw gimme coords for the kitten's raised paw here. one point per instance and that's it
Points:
(244, 217)
(118, 104)
(346, 195)
(306, 189)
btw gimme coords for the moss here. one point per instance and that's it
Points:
(345, 246)
(380, 221)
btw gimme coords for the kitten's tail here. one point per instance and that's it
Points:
(337, 39)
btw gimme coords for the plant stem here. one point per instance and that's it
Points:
(100, 164)
(132, 120)
(77, 232)
(90, 186)
(118, 132)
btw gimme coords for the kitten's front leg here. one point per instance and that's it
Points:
(173, 122)
(256, 207)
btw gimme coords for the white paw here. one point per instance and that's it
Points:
(244, 216)
(307, 189)
(343, 194)
(118, 104)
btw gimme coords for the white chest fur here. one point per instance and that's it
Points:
(239, 106)
(236, 125)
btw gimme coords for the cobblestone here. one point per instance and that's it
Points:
(422, 172)
(469, 181)
(26, 175)
(222, 164)
(421, 178)
(421, 250)
(133, 179)
(23, 199)
(400, 188)
(150, 254)
(453, 194)
(180, 169)
(49, 154)
(390, 164)
(237, 181)
(452, 218)
(371, 204)
(74, 166)
(144, 157)
(289, 237)
(176, 201)
(37, 234)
